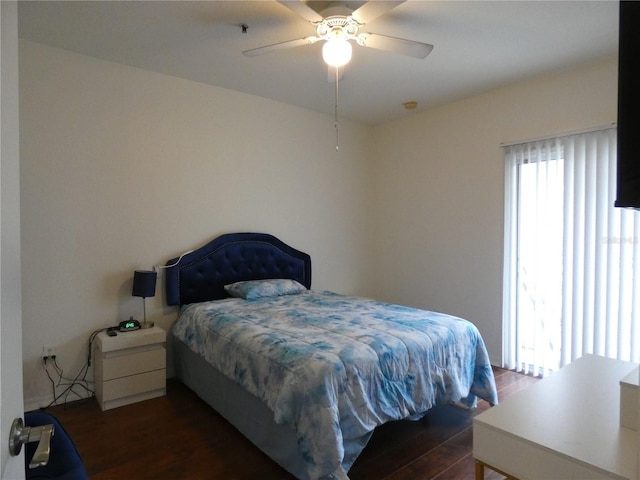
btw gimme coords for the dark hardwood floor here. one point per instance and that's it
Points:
(179, 437)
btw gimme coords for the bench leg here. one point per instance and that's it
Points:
(479, 470)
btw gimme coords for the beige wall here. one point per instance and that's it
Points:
(123, 169)
(440, 185)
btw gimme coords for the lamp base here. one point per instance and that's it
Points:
(147, 325)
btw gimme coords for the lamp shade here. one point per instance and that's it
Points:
(144, 283)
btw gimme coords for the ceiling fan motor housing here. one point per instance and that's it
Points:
(338, 25)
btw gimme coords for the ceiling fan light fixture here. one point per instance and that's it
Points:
(336, 52)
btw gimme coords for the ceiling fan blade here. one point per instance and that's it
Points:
(331, 73)
(254, 52)
(302, 9)
(395, 45)
(374, 9)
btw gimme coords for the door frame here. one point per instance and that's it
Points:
(11, 389)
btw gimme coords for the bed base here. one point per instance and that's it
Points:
(240, 408)
(248, 414)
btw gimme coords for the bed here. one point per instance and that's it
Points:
(308, 375)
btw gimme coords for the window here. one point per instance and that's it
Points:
(572, 260)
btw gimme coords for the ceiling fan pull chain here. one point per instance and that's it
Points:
(335, 109)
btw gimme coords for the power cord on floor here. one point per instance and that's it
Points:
(69, 385)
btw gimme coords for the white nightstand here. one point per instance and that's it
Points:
(130, 367)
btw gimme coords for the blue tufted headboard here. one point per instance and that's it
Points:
(201, 275)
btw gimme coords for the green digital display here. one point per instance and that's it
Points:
(127, 325)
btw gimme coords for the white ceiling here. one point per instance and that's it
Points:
(478, 45)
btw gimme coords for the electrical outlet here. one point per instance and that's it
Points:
(48, 351)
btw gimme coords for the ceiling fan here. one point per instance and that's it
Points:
(338, 25)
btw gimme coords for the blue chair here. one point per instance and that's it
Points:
(64, 460)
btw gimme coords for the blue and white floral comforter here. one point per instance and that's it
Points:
(335, 367)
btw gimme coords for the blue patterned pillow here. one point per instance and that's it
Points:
(254, 289)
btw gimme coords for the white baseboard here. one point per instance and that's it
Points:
(36, 403)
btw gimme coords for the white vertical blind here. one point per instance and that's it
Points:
(572, 260)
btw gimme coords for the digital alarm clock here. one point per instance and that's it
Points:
(129, 325)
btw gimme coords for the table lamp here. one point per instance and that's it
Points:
(144, 285)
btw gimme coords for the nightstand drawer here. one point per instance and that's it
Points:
(134, 385)
(127, 365)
